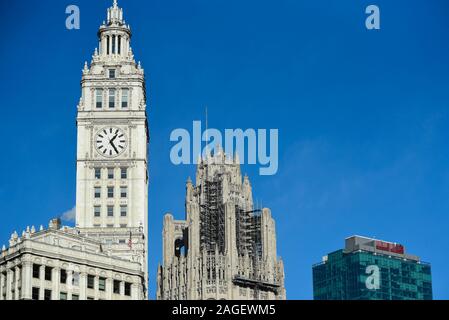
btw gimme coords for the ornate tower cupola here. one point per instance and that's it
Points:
(114, 34)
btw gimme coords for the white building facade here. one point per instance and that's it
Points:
(107, 250)
(112, 161)
(59, 264)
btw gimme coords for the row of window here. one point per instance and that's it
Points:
(75, 280)
(111, 45)
(111, 193)
(47, 272)
(47, 294)
(64, 295)
(110, 211)
(111, 98)
(111, 225)
(111, 173)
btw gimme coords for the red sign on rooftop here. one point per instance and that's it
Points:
(390, 247)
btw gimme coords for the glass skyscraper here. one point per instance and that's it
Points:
(369, 269)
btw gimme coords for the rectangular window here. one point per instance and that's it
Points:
(63, 276)
(97, 192)
(97, 173)
(75, 297)
(127, 289)
(90, 298)
(97, 225)
(116, 286)
(102, 284)
(110, 211)
(35, 293)
(110, 192)
(125, 98)
(76, 279)
(110, 173)
(122, 241)
(63, 296)
(123, 211)
(47, 294)
(48, 273)
(123, 226)
(124, 173)
(123, 192)
(99, 98)
(36, 271)
(111, 98)
(109, 226)
(111, 73)
(97, 211)
(90, 281)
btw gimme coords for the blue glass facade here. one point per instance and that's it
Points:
(344, 276)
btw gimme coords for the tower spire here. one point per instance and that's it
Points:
(115, 14)
(115, 35)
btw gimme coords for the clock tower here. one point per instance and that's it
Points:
(112, 149)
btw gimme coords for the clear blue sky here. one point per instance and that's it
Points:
(362, 115)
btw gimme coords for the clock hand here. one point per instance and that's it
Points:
(111, 141)
(115, 137)
(113, 145)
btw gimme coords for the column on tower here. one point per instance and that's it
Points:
(134, 291)
(55, 283)
(83, 285)
(17, 276)
(2, 283)
(96, 287)
(9, 276)
(231, 241)
(127, 44)
(110, 44)
(69, 284)
(109, 287)
(42, 282)
(27, 270)
(168, 240)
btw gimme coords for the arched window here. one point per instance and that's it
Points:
(180, 249)
(107, 44)
(119, 44)
(113, 45)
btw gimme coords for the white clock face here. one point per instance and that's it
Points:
(110, 142)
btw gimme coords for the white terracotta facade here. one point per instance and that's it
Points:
(112, 187)
(59, 264)
(105, 255)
